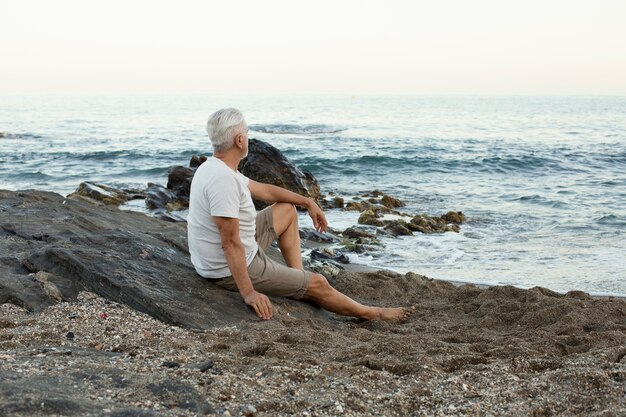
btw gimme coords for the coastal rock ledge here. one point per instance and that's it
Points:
(54, 247)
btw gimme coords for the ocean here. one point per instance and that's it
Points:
(542, 180)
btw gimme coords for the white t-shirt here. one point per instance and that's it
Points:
(218, 191)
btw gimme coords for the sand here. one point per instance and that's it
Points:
(466, 351)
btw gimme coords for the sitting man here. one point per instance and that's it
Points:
(228, 239)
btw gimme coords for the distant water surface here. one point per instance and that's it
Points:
(542, 180)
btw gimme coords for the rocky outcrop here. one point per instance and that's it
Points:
(53, 247)
(264, 163)
(96, 192)
(267, 164)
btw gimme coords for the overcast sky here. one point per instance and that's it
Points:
(294, 47)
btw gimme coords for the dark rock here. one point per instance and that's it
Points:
(158, 197)
(70, 335)
(338, 202)
(427, 224)
(267, 164)
(315, 236)
(375, 193)
(391, 202)
(398, 228)
(356, 232)
(371, 218)
(171, 364)
(329, 254)
(204, 366)
(197, 160)
(455, 217)
(105, 194)
(179, 181)
(126, 257)
(356, 206)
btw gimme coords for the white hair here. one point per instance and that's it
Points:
(223, 126)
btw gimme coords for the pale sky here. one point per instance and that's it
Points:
(297, 47)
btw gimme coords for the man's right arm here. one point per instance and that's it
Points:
(236, 259)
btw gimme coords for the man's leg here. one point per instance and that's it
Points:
(320, 292)
(285, 219)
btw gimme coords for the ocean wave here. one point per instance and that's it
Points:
(509, 164)
(8, 135)
(612, 220)
(30, 176)
(290, 129)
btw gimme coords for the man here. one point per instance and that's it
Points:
(228, 239)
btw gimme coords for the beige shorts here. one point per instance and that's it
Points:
(268, 276)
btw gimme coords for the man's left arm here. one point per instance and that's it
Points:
(273, 194)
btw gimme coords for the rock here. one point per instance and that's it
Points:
(197, 160)
(398, 228)
(95, 192)
(204, 366)
(328, 254)
(375, 193)
(426, 224)
(264, 163)
(267, 164)
(455, 217)
(356, 206)
(170, 364)
(158, 197)
(391, 202)
(338, 202)
(315, 236)
(371, 218)
(179, 181)
(97, 248)
(356, 232)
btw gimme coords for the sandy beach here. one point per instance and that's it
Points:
(466, 351)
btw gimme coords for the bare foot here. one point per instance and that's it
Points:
(396, 315)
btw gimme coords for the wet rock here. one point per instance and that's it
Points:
(267, 164)
(96, 192)
(426, 224)
(398, 228)
(328, 254)
(158, 197)
(338, 202)
(356, 232)
(315, 236)
(355, 206)
(454, 217)
(370, 217)
(375, 193)
(391, 202)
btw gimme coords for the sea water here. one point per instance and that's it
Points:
(542, 180)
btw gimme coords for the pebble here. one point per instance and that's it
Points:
(171, 364)
(205, 366)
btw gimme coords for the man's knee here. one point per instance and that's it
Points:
(318, 285)
(285, 211)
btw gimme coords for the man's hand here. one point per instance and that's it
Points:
(260, 303)
(317, 215)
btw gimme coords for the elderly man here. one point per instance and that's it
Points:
(228, 239)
